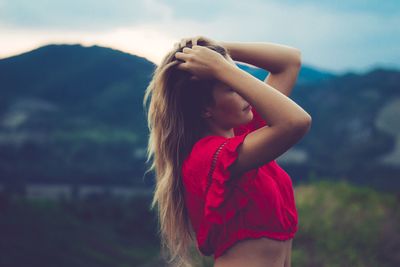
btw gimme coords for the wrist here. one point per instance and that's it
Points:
(223, 69)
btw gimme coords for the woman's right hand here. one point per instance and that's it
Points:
(200, 61)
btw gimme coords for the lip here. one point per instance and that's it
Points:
(247, 108)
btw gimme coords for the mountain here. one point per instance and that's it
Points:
(70, 113)
(356, 128)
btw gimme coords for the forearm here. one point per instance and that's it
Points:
(272, 57)
(272, 105)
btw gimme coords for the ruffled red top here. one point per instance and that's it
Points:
(222, 210)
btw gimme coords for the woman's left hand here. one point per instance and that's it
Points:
(183, 43)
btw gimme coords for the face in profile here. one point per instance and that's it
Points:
(230, 107)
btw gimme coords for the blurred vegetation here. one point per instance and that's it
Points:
(340, 224)
(345, 225)
(96, 231)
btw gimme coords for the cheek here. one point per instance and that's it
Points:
(227, 105)
(231, 110)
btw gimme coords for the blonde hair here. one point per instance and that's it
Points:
(175, 124)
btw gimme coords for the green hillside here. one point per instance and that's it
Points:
(72, 111)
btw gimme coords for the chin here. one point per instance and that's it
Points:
(251, 115)
(249, 118)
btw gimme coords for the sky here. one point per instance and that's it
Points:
(335, 36)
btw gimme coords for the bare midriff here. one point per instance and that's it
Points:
(260, 252)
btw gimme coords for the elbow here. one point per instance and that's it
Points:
(297, 129)
(297, 60)
(305, 124)
(302, 125)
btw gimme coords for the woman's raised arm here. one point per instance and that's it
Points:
(281, 61)
(288, 121)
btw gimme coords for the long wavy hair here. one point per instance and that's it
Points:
(175, 124)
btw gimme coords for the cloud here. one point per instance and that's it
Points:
(88, 15)
(352, 35)
(387, 7)
(332, 39)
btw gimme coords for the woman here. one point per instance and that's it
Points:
(217, 182)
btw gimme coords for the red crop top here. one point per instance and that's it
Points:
(223, 211)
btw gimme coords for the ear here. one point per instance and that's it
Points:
(206, 113)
